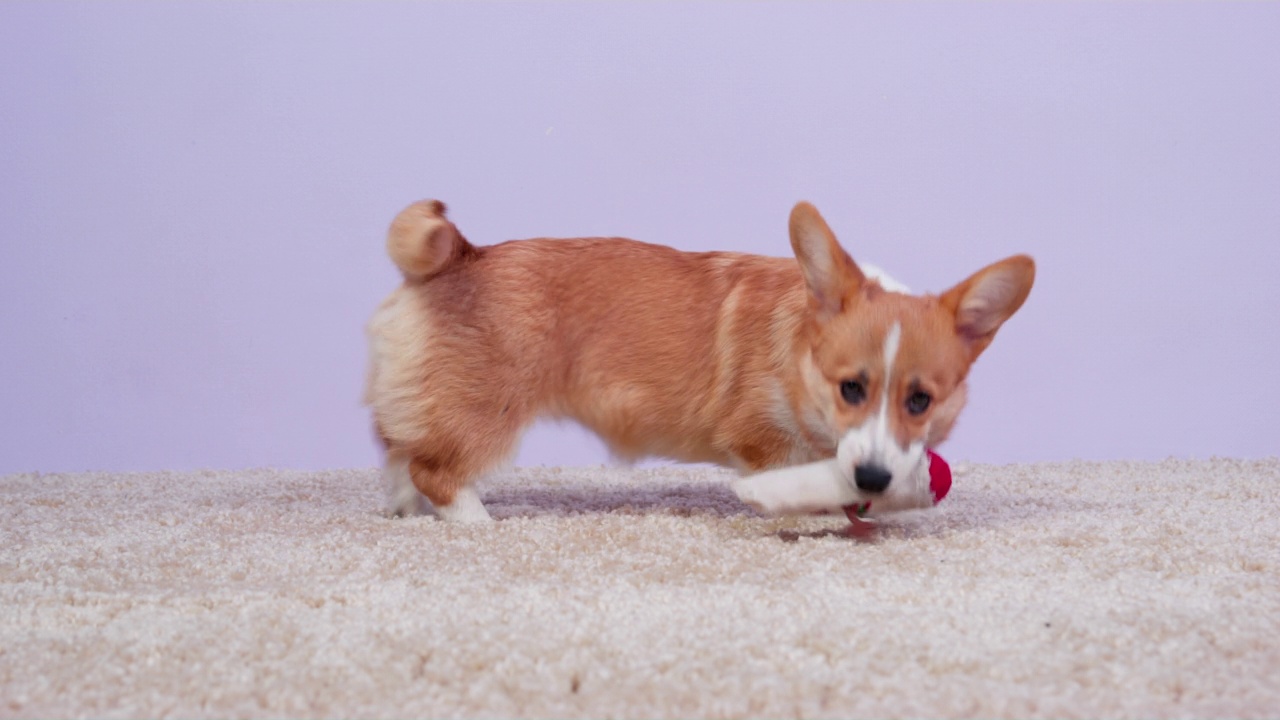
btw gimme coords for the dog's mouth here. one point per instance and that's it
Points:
(938, 485)
(898, 483)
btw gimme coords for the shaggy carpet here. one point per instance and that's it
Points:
(1052, 590)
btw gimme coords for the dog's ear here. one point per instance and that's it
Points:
(830, 274)
(987, 299)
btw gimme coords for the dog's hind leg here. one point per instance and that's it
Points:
(452, 493)
(403, 498)
(446, 469)
(465, 508)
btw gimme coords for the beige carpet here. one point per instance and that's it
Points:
(1067, 590)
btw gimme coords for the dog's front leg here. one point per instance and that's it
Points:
(798, 489)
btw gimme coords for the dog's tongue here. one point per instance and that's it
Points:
(939, 484)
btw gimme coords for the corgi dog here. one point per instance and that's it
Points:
(749, 362)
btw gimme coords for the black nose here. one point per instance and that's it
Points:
(871, 478)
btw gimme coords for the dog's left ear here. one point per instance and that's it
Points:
(829, 272)
(987, 299)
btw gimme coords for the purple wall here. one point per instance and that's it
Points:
(193, 199)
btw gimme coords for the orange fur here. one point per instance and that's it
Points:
(703, 357)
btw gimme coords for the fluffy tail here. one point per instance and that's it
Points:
(422, 242)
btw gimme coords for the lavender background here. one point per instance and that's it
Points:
(193, 198)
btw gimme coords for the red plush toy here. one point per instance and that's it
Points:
(939, 483)
(939, 477)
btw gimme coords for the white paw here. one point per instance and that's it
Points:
(465, 508)
(798, 489)
(403, 499)
(755, 495)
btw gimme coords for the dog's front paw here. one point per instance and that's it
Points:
(797, 490)
(756, 495)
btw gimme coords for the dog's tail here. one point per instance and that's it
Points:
(422, 242)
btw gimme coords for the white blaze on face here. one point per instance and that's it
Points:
(873, 442)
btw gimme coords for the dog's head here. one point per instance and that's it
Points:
(887, 370)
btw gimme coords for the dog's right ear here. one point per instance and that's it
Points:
(988, 298)
(830, 274)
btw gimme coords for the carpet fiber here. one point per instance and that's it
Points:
(1063, 590)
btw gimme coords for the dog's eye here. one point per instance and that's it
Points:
(918, 402)
(853, 391)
